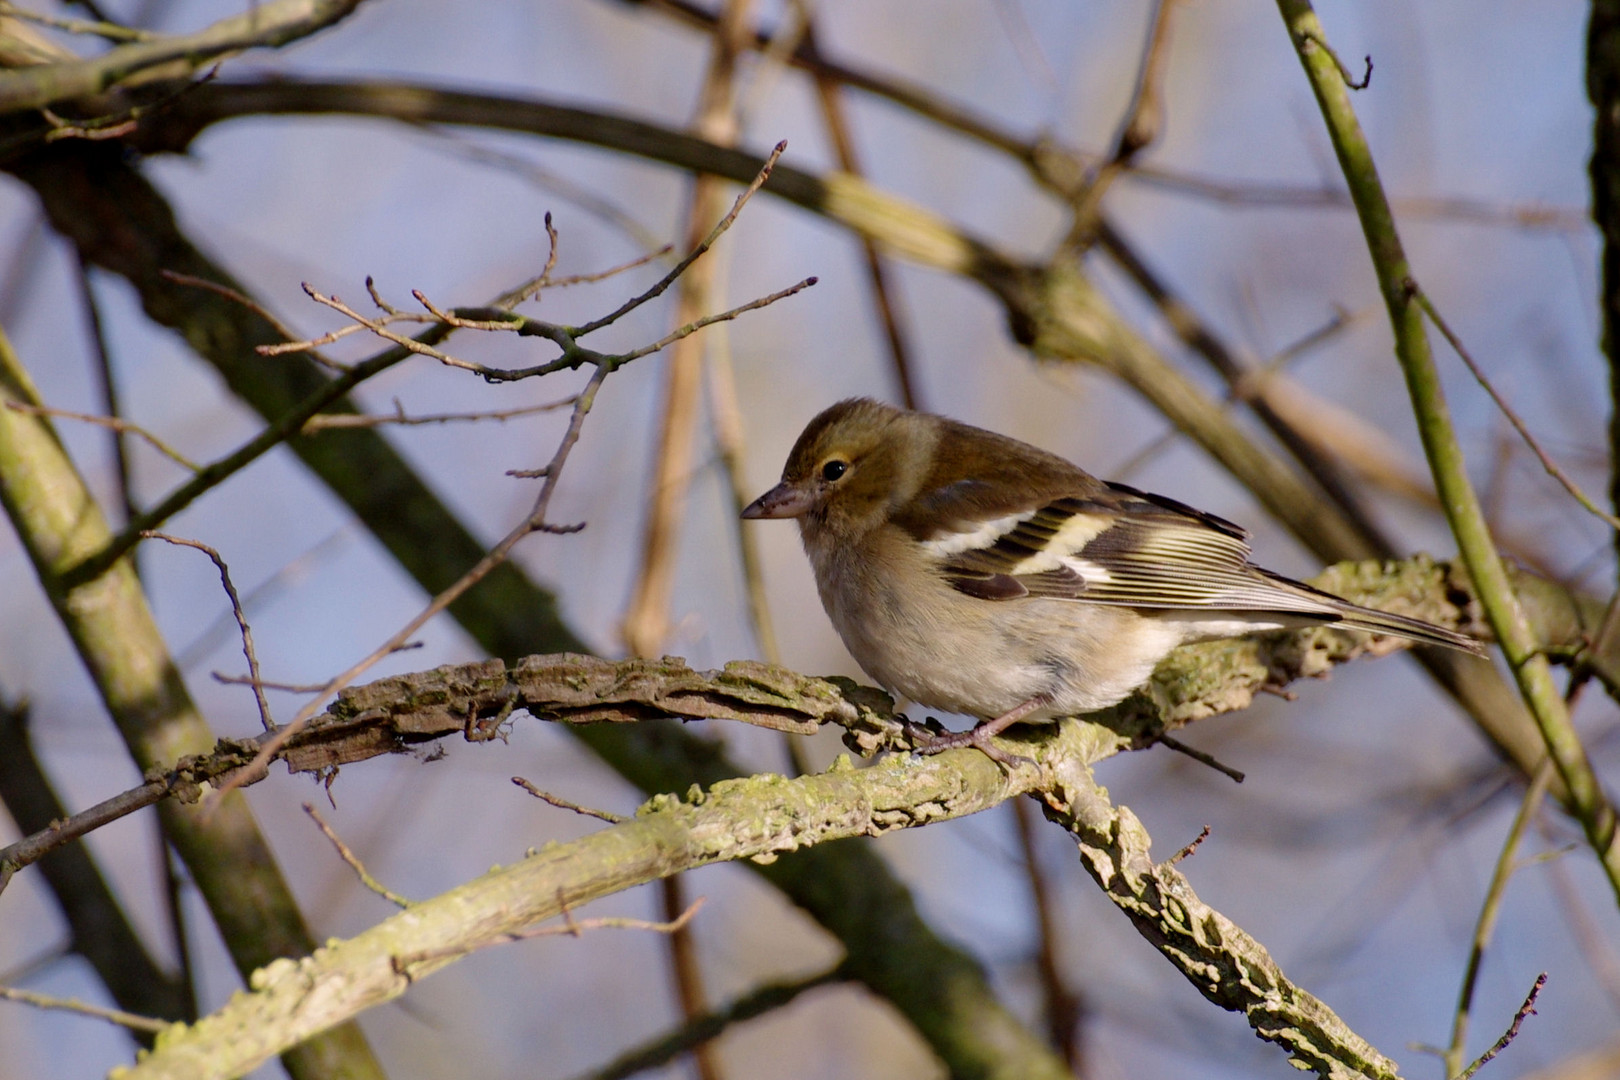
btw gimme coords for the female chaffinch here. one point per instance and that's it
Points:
(975, 573)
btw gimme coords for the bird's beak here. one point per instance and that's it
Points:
(782, 501)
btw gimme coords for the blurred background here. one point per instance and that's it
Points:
(1359, 847)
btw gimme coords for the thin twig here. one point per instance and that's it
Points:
(1061, 169)
(531, 289)
(331, 421)
(699, 1030)
(1344, 69)
(111, 423)
(107, 383)
(217, 472)
(115, 1016)
(242, 299)
(1137, 130)
(353, 860)
(1062, 1004)
(563, 804)
(571, 927)
(1485, 925)
(535, 522)
(444, 599)
(1191, 846)
(248, 680)
(236, 610)
(687, 973)
(692, 256)
(1251, 195)
(646, 621)
(1527, 1009)
(835, 118)
(1199, 756)
(554, 184)
(1519, 425)
(110, 31)
(32, 848)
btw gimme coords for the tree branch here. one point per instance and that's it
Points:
(269, 24)
(1530, 667)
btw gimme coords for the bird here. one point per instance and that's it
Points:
(974, 573)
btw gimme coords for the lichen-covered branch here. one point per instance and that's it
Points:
(477, 700)
(1226, 964)
(755, 818)
(761, 818)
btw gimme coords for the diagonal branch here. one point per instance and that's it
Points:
(269, 24)
(759, 819)
(1530, 667)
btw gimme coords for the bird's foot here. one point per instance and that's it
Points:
(928, 742)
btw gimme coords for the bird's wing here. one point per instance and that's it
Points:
(1118, 546)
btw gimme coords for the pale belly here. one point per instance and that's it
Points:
(942, 650)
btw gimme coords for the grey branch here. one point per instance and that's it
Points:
(268, 24)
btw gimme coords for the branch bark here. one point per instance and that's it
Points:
(270, 24)
(761, 818)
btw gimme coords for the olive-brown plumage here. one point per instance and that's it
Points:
(971, 572)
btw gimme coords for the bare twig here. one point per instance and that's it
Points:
(1199, 756)
(1552, 467)
(1191, 846)
(1344, 69)
(111, 31)
(218, 471)
(107, 383)
(1061, 168)
(240, 298)
(114, 1016)
(353, 860)
(236, 610)
(555, 184)
(31, 848)
(1253, 195)
(111, 423)
(563, 804)
(646, 620)
(1588, 801)
(694, 254)
(835, 118)
(248, 680)
(497, 555)
(571, 927)
(1527, 1009)
(1062, 1004)
(1506, 863)
(1137, 130)
(705, 1028)
(330, 421)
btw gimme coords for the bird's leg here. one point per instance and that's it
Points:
(981, 734)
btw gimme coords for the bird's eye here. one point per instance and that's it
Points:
(834, 469)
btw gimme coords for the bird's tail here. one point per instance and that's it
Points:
(1373, 621)
(1356, 617)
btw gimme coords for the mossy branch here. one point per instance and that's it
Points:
(760, 818)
